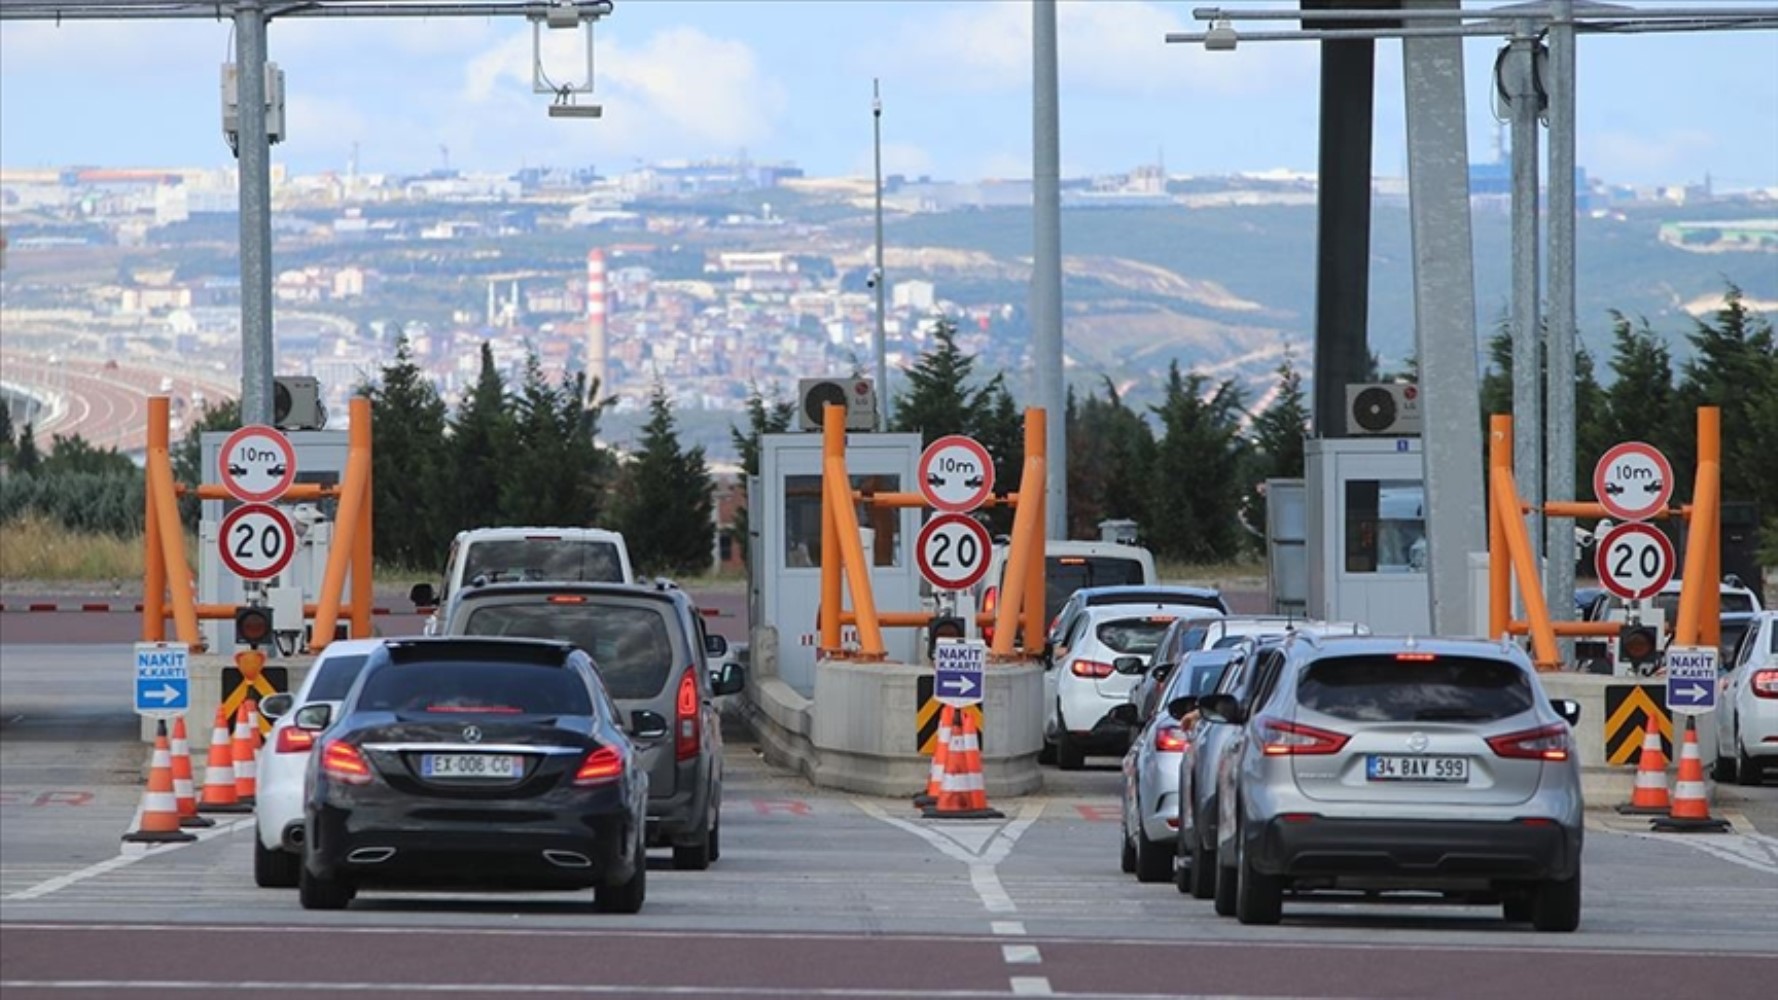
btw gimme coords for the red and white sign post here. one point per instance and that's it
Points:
(1633, 481)
(1634, 560)
(956, 474)
(256, 464)
(257, 541)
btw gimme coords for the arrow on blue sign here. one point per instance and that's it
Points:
(961, 685)
(1684, 692)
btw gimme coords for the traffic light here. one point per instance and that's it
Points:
(1638, 645)
(253, 625)
(942, 627)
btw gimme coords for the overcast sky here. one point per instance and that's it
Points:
(792, 81)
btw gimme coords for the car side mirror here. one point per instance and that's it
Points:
(313, 717)
(1180, 707)
(715, 645)
(1161, 671)
(730, 678)
(1129, 665)
(423, 596)
(276, 706)
(646, 725)
(1568, 709)
(1125, 714)
(1220, 708)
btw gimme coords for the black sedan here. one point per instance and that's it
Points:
(478, 764)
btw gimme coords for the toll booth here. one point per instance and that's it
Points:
(1287, 548)
(1366, 537)
(786, 548)
(320, 459)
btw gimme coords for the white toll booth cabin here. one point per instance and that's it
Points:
(786, 552)
(1367, 548)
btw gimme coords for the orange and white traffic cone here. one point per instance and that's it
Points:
(1649, 797)
(1691, 801)
(963, 794)
(219, 794)
(941, 751)
(183, 795)
(160, 813)
(246, 759)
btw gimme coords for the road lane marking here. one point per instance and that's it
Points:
(1756, 851)
(126, 857)
(1021, 954)
(1031, 986)
(981, 847)
(1021, 986)
(1009, 927)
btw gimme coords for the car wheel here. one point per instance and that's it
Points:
(1154, 859)
(695, 856)
(275, 868)
(1182, 871)
(1518, 909)
(1747, 770)
(1069, 755)
(1224, 891)
(1047, 753)
(1724, 769)
(1127, 856)
(626, 896)
(1203, 873)
(317, 893)
(1259, 899)
(1556, 904)
(716, 835)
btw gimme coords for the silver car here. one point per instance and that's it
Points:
(1151, 767)
(1386, 764)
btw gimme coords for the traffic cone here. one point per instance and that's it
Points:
(219, 771)
(941, 751)
(160, 813)
(1649, 797)
(1691, 803)
(182, 790)
(246, 757)
(962, 794)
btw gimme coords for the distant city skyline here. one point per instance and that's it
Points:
(786, 81)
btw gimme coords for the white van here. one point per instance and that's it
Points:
(526, 555)
(1067, 567)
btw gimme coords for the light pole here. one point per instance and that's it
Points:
(1046, 263)
(878, 278)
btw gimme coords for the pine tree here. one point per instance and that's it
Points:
(939, 400)
(1110, 452)
(556, 472)
(666, 501)
(1278, 433)
(73, 455)
(7, 434)
(1734, 366)
(482, 439)
(1195, 489)
(25, 459)
(1592, 430)
(999, 426)
(410, 472)
(1641, 404)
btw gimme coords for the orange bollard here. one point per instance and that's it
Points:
(219, 771)
(1691, 802)
(246, 761)
(941, 752)
(963, 794)
(160, 813)
(183, 795)
(1649, 797)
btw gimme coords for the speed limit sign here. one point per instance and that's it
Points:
(1634, 560)
(257, 541)
(952, 551)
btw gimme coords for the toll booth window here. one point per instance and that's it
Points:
(802, 520)
(1385, 526)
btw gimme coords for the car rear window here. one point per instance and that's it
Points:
(336, 677)
(552, 559)
(1133, 636)
(1063, 575)
(630, 645)
(1198, 676)
(1387, 689)
(422, 688)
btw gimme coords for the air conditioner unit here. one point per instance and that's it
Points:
(857, 395)
(296, 403)
(1386, 409)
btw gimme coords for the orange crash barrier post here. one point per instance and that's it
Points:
(1700, 596)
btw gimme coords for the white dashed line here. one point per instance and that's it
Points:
(1021, 954)
(1031, 986)
(129, 857)
(1011, 928)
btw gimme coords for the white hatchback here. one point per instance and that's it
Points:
(284, 760)
(1747, 705)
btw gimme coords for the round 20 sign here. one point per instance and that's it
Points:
(952, 551)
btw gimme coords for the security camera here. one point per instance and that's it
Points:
(870, 280)
(1221, 37)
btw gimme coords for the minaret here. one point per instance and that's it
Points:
(595, 320)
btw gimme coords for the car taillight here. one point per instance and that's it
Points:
(343, 762)
(990, 601)
(1289, 739)
(1090, 668)
(1170, 739)
(1542, 743)
(1765, 684)
(687, 717)
(294, 740)
(602, 765)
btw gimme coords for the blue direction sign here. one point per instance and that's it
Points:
(163, 678)
(957, 666)
(1691, 679)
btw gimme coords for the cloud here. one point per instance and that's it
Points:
(1103, 48)
(115, 50)
(1647, 155)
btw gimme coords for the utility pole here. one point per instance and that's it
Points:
(1519, 82)
(253, 152)
(1559, 389)
(1046, 263)
(880, 279)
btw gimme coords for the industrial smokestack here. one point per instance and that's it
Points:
(595, 319)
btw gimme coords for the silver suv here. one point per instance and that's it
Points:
(1380, 764)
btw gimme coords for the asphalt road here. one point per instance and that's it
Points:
(818, 894)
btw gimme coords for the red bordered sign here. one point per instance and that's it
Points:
(1634, 560)
(956, 474)
(256, 464)
(257, 541)
(952, 551)
(1633, 481)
